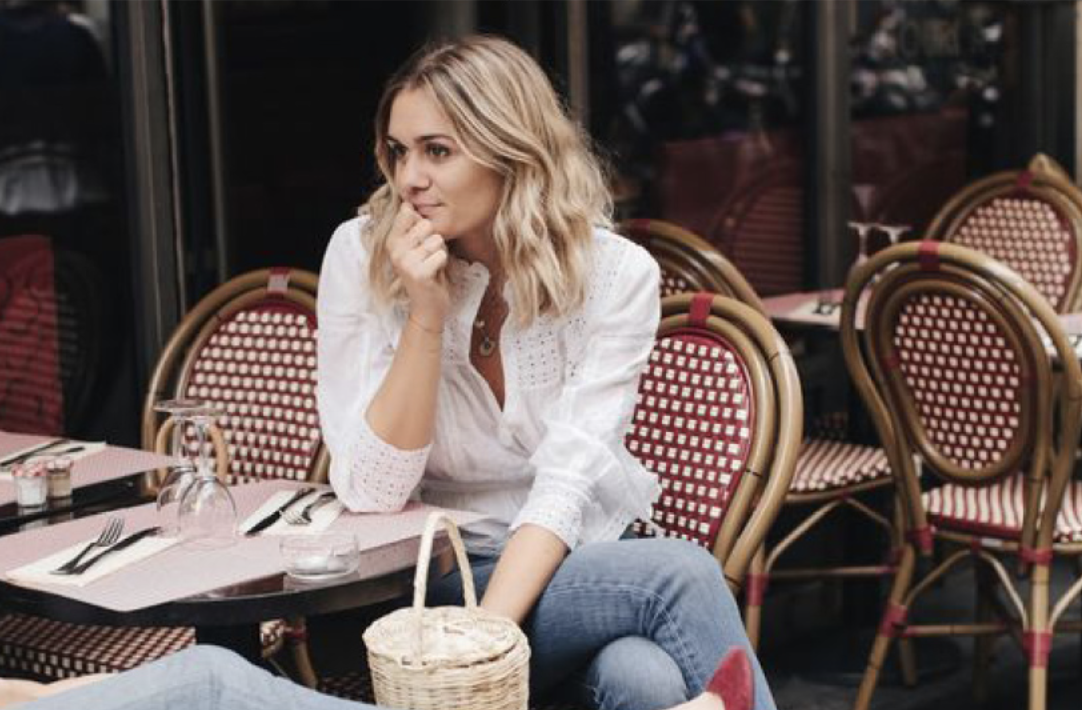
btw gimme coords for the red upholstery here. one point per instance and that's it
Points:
(692, 428)
(258, 365)
(51, 650)
(966, 378)
(31, 395)
(1027, 233)
(824, 465)
(996, 510)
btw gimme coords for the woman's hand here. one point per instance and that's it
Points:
(418, 256)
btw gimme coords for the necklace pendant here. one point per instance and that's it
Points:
(486, 347)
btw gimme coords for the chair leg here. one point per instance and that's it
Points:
(297, 641)
(753, 596)
(902, 580)
(1038, 637)
(982, 645)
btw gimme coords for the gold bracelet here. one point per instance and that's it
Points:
(417, 324)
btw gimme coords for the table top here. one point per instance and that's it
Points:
(385, 573)
(240, 584)
(822, 309)
(112, 463)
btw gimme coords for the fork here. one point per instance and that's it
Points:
(108, 537)
(292, 516)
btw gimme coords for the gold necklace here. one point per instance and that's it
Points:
(487, 345)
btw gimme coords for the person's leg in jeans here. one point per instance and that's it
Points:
(197, 678)
(614, 610)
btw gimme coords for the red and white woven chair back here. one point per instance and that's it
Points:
(1033, 233)
(760, 229)
(254, 359)
(1030, 220)
(693, 428)
(966, 378)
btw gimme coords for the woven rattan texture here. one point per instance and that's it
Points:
(692, 428)
(673, 283)
(51, 650)
(964, 375)
(259, 368)
(997, 510)
(1027, 234)
(824, 465)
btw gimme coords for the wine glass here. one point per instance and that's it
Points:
(828, 302)
(894, 231)
(185, 413)
(207, 513)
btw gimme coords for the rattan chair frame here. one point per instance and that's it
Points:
(779, 413)
(1022, 314)
(174, 367)
(687, 256)
(691, 258)
(1048, 182)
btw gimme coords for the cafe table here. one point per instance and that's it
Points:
(821, 310)
(223, 593)
(103, 476)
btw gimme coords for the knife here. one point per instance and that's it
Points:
(124, 543)
(272, 517)
(24, 455)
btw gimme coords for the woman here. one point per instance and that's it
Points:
(480, 342)
(210, 678)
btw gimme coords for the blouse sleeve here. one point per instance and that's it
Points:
(354, 354)
(581, 463)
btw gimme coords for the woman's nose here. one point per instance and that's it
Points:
(412, 174)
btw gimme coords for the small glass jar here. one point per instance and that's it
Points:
(30, 485)
(58, 476)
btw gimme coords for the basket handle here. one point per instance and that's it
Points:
(420, 577)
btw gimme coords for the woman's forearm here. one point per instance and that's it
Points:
(403, 412)
(530, 558)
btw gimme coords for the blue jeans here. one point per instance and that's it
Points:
(197, 678)
(635, 624)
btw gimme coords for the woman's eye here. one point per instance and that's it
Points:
(438, 151)
(395, 151)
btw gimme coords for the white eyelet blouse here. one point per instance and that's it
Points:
(554, 456)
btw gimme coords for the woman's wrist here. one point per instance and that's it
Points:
(425, 326)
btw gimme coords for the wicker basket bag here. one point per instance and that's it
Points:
(451, 657)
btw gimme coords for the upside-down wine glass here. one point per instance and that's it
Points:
(183, 473)
(207, 514)
(829, 302)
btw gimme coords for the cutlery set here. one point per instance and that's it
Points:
(288, 512)
(109, 541)
(46, 447)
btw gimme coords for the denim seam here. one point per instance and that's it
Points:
(687, 654)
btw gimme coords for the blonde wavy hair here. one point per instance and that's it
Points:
(508, 118)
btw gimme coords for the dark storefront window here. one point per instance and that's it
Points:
(65, 275)
(930, 87)
(704, 125)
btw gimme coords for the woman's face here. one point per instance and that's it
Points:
(431, 172)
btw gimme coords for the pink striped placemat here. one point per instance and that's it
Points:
(180, 572)
(111, 463)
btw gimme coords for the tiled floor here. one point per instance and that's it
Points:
(799, 665)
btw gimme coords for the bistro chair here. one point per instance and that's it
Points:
(830, 475)
(958, 380)
(718, 419)
(759, 227)
(53, 336)
(247, 348)
(689, 263)
(1030, 220)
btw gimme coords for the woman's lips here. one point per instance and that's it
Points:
(425, 210)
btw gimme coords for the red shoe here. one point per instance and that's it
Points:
(732, 681)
